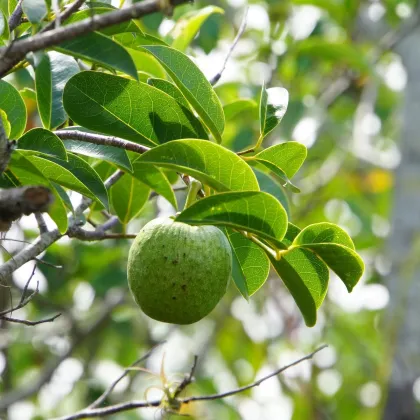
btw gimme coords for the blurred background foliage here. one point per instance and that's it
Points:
(320, 53)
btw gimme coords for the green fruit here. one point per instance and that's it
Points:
(178, 273)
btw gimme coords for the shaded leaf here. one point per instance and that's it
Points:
(128, 196)
(6, 124)
(306, 277)
(27, 174)
(194, 86)
(251, 267)
(128, 109)
(35, 10)
(251, 211)
(210, 163)
(187, 27)
(273, 106)
(4, 28)
(52, 72)
(101, 50)
(44, 142)
(170, 89)
(155, 179)
(14, 107)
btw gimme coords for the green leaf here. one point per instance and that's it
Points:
(273, 106)
(27, 174)
(146, 65)
(155, 179)
(251, 265)
(285, 181)
(129, 26)
(128, 109)
(288, 156)
(74, 174)
(135, 41)
(306, 277)
(52, 72)
(35, 10)
(6, 124)
(337, 52)
(194, 86)
(271, 186)
(98, 151)
(4, 28)
(128, 196)
(14, 107)
(28, 93)
(101, 50)
(189, 24)
(44, 142)
(251, 211)
(170, 89)
(292, 232)
(210, 163)
(235, 108)
(64, 196)
(335, 247)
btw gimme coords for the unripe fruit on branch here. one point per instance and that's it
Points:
(178, 273)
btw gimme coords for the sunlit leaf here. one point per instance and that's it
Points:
(14, 107)
(273, 106)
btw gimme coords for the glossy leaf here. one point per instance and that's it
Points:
(189, 24)
(335, 247)
(170, 89)
(14, 107)
(210, 163)
(288, 156)
(6, 124)
(233, 109)
(251, 265)
(35, 10)
(27, 174)
(128, 109)
(306, 277)
(136, 41)
(4, 28)
(273, 106)
(155, 179)
(51, 75)
(251, 211)
(44, 142)
(101, 50)
(194, 86)
(74, 174)
(271, 186)
(128, 196)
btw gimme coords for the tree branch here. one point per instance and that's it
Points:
(73, 8)
(241, 30)
(30, 323)
(8, 399)
(130, 405)
(100, 139)
(19, 49)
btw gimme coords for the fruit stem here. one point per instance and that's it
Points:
(193, 189)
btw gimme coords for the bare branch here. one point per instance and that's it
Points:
(241, 30)
(40, 41)
(16, 17)
(108, 391)
(96, 235)
(73, 8)
(100, 139)
(30, 323)
(41, 223)
(130, 405)
(187, 379)
(113, 300)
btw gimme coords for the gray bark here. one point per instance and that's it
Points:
(404, 250)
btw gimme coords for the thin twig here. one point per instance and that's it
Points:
(108, 391)
(130, 405)
(41, 223)
(30, 323)
(100, 139)
(58, 267)
(74, 7)
(188, 379)
(95, 235)
(16, 17)
(40, 41)
(241, 30)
